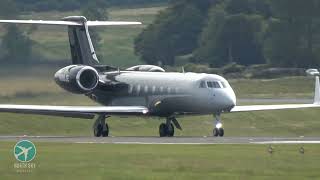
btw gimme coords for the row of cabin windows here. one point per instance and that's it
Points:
(212, 84)
(145, 89)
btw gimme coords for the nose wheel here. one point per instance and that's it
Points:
(218, 130)
(100, 127)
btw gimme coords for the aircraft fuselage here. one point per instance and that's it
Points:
(166, 94)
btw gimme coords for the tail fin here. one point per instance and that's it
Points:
(82, 50)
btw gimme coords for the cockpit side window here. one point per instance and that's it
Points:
(223, 84)
(202, 84)
(216, 84)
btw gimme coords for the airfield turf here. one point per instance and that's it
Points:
(109, 161)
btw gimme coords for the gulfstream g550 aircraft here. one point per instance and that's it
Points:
(144, 90)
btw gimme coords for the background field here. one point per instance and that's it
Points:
(106, 161)
(117, 42)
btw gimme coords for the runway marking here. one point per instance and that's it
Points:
(287, 142)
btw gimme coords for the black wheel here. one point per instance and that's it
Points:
(106, 132)
(215, 132)
(98, 130)
(221, 132)
(170, 131)
(163, 130)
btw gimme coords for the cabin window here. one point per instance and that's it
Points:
(202, 84)
(153, 89)
(169, 90)
(161, 89)
(146, 89)
(138, 89)
(130, 89)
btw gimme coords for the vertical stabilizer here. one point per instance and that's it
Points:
(82, 50)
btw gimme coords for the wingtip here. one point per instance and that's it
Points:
(317, 91)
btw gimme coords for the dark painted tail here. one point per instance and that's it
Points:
(82, 50)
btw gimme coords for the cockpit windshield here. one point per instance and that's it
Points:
(213, 84)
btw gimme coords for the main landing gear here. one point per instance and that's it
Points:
(167, 129)
(218, 130)
(100, 127)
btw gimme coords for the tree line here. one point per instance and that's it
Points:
(282, 33)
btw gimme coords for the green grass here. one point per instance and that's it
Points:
(291, 123)
(286, 87)
(107, 161)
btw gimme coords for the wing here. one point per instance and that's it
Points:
(316, 101)
(87, 112)
(273, 107)
(72, 23)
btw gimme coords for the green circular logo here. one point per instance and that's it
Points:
(24, 151)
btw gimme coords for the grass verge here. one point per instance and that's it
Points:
(107, 161)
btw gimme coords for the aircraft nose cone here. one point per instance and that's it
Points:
(230, 100)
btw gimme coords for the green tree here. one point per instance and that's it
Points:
(294, 33)
(16, 46)
(174, 32)
(231, 38)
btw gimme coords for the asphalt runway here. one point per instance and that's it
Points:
(158, 140)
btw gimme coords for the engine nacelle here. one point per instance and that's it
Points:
(79, 79)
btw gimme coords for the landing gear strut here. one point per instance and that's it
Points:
(167, 129)
(100, 127)
(218, 130)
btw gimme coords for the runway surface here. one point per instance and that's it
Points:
(174, 140)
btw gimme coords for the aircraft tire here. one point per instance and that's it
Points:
(221, 132)
(98, 130)
(163, 130)
(215, 132)
(170, 131)
(106, 132)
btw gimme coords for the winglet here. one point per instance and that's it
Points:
(317, 91)
(315, 72)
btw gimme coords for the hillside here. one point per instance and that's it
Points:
(51, 42)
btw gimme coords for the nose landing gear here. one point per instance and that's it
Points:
(218, 130)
